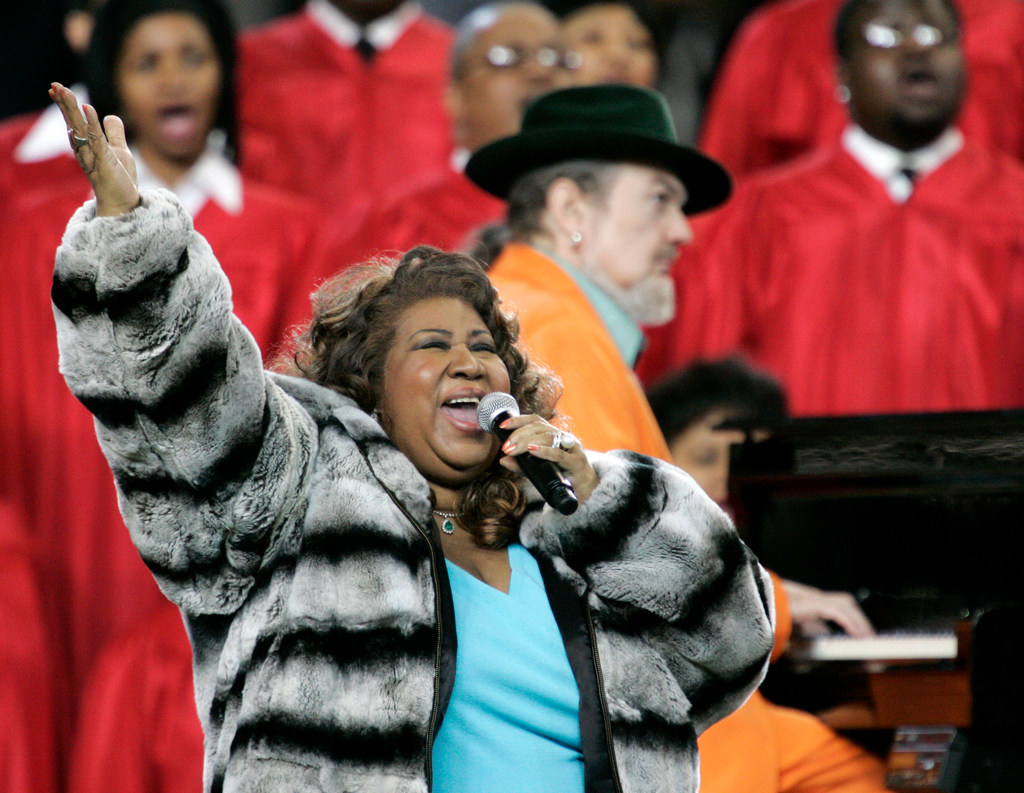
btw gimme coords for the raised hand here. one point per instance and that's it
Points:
(102, 151)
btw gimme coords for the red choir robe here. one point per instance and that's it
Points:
(774, 96)
(96, 583)
(319, 121)
(26, 165)
(28, 679)
(443, 211)
(138, 727)
(858, 303)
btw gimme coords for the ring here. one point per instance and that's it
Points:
(565, 441)
(76, 142)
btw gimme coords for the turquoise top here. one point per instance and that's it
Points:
(512, 725)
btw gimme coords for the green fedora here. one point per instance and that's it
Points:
(620, 123)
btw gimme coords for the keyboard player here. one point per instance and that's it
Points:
(800, 750)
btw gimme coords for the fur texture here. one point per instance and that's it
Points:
(261, 503)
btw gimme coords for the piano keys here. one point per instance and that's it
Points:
(892, 646)
(921, 516)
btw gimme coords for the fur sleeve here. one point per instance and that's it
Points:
(207, 454)
(660, 562)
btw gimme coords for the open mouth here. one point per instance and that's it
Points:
(919, 82)
(462, 409)
(179, 122)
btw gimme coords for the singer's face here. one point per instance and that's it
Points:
(442, 361)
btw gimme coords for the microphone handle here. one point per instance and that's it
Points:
(544, 474)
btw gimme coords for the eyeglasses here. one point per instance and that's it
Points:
(501, 56)
(887, 37)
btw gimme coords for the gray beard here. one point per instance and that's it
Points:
(650, 302)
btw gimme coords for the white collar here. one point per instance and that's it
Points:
(381, 32)
(460, 156)
(48, 136)
(213, 176)
(885, 162)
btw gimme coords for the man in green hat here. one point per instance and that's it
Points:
(597, 186)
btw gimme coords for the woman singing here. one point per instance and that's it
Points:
(376, 598)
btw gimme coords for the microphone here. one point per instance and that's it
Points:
(493, 409)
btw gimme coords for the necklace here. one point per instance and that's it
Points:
(448, 524)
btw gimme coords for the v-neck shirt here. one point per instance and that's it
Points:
(512, 724)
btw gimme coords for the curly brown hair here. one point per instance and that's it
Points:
(346, 344)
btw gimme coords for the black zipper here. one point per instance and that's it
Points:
(432, 726)
(601, 696)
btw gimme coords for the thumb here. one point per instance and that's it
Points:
(113, 126)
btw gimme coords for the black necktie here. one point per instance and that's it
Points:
(365, 49)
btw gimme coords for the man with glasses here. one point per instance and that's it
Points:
(505, 55)
(774, 96)
(884, 273)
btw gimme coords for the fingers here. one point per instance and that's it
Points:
(809, 606)
(844, 611)
(77, 123)
(532, 435)
(68, 104)
(113, 126)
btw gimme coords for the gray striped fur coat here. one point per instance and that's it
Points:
(296, 541)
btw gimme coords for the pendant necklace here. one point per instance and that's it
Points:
(448, 524)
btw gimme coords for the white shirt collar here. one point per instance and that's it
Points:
(212, 177)
(886, 163)
(460, 156)
(48, 136)
(381, 32)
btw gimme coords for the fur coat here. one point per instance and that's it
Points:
(299, 545)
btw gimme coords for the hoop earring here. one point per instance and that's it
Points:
(576, 238)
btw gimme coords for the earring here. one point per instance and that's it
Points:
(576, 238)
(843, 94)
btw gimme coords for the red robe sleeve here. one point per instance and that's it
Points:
(138, 728)
(28, 728)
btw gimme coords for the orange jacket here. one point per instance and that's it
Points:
(603, 402)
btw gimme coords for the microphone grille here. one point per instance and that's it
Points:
(493, 405)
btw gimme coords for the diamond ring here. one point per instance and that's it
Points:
(565, 441)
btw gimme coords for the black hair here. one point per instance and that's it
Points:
(842, 34)
(651, 16)
(731, 384)
(116, 19)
